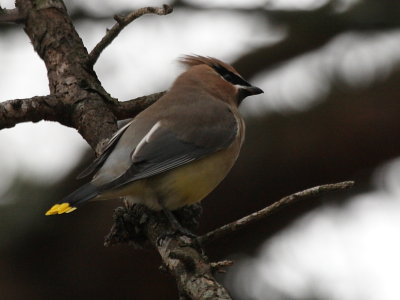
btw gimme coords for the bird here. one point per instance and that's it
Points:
(175, 152)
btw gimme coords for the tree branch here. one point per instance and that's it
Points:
(267, 211)
(122, 22)
(129, 109)
(56, 108)
(11, 16)
(140, 226)
(32, 109)
(192, 271)
(182, 255)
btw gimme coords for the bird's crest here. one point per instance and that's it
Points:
(226, 71)
(193, 60)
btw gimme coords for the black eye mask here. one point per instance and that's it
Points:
(230, 76)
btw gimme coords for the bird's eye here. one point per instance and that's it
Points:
(230, 76)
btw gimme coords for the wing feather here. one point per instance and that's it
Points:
(99, 161)
(164, 148)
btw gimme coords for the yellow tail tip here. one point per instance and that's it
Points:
(58, 209)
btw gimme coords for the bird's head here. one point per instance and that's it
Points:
(219, 77)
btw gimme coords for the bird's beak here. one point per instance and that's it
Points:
(246, 91)
(253, 90)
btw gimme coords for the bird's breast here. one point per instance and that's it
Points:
(190, 183)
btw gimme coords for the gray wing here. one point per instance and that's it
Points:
(164, 148)
(99, 161)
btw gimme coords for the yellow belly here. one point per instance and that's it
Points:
(184, 185)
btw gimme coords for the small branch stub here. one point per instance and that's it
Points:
(220, 265)
(11, 16)
(129, 109)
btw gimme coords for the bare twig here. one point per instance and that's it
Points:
(308, 193)
(122, 22)
(11, 16)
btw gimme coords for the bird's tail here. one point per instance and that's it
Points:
(78, 197)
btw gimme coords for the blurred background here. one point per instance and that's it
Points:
(330, 112)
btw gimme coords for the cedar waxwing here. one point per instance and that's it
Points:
(176, 151)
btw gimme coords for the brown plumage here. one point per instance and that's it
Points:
(179, 149)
